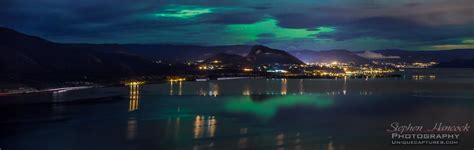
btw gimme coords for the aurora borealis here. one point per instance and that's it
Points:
(178, 11)
(289, 25)
(269, 108)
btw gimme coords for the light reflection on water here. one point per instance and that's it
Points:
(134, 97)
(284, 86)
(172, 90)
(267, 103)
(213, 89)
(131, 128)
(423, 77)
(204, 126)
(289, 114)
(266, 106)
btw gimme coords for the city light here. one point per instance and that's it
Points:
(278, 71)
(177, 79)
(247, 69)
(134, 83)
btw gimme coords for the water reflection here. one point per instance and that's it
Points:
(58, 96)
(198, 129)
(204, 126)
(131, 128)
(134, 97)
(58, 108)
(365, 93)
(344, 86)
(173, 128)
(243, 141)
(213, 89)
(177, 127)
(202, 92)
(298, 142)
(423, 77)
(180, 88)
(246, 91)
(330, 146)
(171, 122)
(284, 85)
(266, 106)
(172, 87)
(274, 87)
(301, 87)
(280, 139)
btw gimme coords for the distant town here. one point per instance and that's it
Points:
(216, 70)
(26, 69)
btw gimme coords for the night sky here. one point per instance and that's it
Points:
(284, 24)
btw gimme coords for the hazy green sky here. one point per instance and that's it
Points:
(290, 25)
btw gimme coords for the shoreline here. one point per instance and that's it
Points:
(193, 79)
(59, 90)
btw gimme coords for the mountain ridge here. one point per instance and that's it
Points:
(29, 57)
(20, 46)
(261, 55)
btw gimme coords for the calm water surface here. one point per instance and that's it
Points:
(280, 114)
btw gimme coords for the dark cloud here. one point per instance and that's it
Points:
(294, 20)
(425, 13)
(315, 16)
(400, 29)
(233, 18)
(414, 4)
(409, 21)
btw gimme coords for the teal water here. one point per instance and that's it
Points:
(281, 114)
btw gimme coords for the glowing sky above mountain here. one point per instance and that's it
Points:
(290, 25)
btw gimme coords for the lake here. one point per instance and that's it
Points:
(280, 114)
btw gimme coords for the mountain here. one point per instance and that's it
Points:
(427, 56)
(229, 61)
(224, 58)
(258, 55)
(458, 63)
(330, 56)
(26, 57)
(183, 53)
(261, 55)
(388, 55)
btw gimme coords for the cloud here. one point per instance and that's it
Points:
(183, 11)
(233, 17)
(373, 55)
(322, 24)
(251, 32)
(452, 46)
(402, 29)
(468, 41)
(464, 44)
(424, 13)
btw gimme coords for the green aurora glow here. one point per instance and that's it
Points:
(268, 108)
(179, 11)
(286, 25)
(250, 32)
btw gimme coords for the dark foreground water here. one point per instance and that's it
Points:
(292, 114)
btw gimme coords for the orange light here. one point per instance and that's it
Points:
(248, 69)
